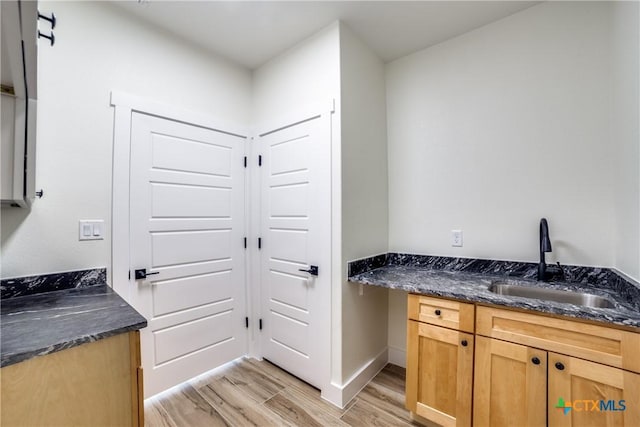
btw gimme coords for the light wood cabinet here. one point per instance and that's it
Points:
(439, 363)
(586, 384)
(526, 380)
(98, 383)
(510, 384)
(528, 369)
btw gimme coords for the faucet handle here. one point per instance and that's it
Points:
(555, 271)
(562, 275)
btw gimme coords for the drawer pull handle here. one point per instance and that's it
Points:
(559, 366)
(464, 343)
(438, 312)
(535, 361)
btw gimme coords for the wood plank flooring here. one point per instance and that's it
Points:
(249, 392)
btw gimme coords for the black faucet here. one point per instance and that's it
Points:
(545, 246)
(546, 272)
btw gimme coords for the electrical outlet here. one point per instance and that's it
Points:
(456, 238)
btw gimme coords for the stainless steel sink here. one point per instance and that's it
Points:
(577, 298)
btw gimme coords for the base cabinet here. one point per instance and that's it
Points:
(527, 369)
(94, 384)
(516, 382)
(572, 391)
(440, 345)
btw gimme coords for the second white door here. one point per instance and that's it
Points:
(296, 236)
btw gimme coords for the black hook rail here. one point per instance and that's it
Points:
(51, 37)
(51, 19)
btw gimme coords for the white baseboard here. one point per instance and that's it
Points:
(342, 395)
(398, 356)
(333, 394)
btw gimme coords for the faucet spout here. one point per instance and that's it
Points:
(545, 246)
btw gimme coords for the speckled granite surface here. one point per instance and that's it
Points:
(366, 264)
(36, 325)
(31, 285)
(469, 279)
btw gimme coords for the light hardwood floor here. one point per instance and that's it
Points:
(256, 393)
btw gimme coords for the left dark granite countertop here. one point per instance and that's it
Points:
(36, 325)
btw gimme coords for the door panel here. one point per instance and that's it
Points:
(178, 154)
(290, 288)
(195, 246)
(179, 340)
(582, 385)
(439, 374)
(185, 201)
(290, 155)
(289, 201)
(509, 386)
(187, 225)
(179, 294)
(296, 233)
(290, 246)
(289, 331)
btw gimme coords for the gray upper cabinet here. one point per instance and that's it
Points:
(19, 92)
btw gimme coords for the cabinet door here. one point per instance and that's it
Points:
(439, 374)
(584, 394)
(510, 384)
(87, 385)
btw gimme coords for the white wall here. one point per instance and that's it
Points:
(511, 122)
(98, 49)
(397, 327)
(492, 130)
(302, 77)
(364, 198)
(626, 135)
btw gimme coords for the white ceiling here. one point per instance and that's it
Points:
(251, 32)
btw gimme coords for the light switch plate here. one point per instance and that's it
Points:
(91, 229)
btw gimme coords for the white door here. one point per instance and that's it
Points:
(187, 231)
(296, 235)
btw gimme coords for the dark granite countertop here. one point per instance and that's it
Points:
(452, 281)
(36, 325)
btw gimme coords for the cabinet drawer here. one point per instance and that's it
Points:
(600, 344)
(440, 312)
